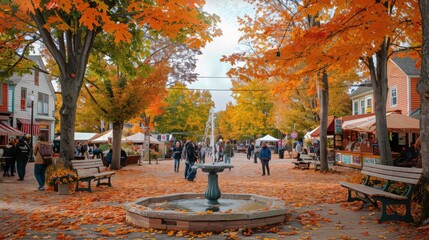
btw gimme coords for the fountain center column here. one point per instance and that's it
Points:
(213, 193)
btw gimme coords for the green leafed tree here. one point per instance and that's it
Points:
(185, 112)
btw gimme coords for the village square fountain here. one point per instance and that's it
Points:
(211, 211)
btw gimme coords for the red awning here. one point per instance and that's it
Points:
(9, 131)
(316, 131)
(26, 126)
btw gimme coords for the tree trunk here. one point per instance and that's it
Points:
(324, 104)
(116, 146)
(423, 89)
(71, 52)
(379, 85)
(70, 94)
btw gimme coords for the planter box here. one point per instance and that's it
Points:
(63, 189)
(132, 159)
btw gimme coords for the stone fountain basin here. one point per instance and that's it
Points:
(186, 211)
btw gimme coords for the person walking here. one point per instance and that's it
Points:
(189, 155)
(202, 152)
(228, 152)
(249, 151)
(298, 149)
(219, 150)
(22, 153)
(39, 164)
(177, 155)
(9, 155)
(265, 156)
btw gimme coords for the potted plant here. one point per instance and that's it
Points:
(62, 177)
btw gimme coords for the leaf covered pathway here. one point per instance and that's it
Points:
(315, 203)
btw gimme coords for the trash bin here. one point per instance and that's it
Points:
(281, 153)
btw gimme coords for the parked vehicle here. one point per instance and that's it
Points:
(241, 148)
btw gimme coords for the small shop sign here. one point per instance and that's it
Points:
(338, 125)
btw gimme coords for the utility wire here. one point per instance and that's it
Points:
(254, 90)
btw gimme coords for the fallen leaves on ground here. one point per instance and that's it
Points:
(42, 212)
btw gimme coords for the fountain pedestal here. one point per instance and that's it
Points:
(213, 192)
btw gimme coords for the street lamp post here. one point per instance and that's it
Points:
(31, 126)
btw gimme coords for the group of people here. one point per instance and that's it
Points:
(224, 152)
(82, 150)
(18, 152)
(192, 153)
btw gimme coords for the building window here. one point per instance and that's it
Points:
(355, 108)
(369, 105)
(36, 77)
(362, 106)
(23, 99)
(43, 104)
(393, 97)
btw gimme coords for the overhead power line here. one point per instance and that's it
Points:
(253, 90)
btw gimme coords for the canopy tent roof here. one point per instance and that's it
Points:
(81, 136)
(331, 124)
(139, 138)
(266, 138)
(395, 123)
(316, 132)
(103, 138)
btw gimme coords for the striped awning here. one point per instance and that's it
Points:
(9, 131)
(26, 126)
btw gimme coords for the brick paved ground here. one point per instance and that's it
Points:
(313, 201)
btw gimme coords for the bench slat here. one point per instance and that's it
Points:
(393, 168)
(103, 174)
(394, 172)
(415, 176)
(392, 178)
(370, 191)
(86, 166)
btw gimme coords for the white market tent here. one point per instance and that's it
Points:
(266, 138)
(80, 136)
(103, 138)
(139, 138)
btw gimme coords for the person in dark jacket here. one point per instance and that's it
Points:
(123, 158)
(9, 155)
(22, 152)
(228, 152)
(108, 157)
(190, 156)
(96, 153)
(177, 155)
(250, 150)
(265, 156)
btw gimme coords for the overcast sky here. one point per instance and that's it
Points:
(209, 64)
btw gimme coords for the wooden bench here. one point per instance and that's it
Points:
(90, 169)
(371, 194)
(302, 164)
